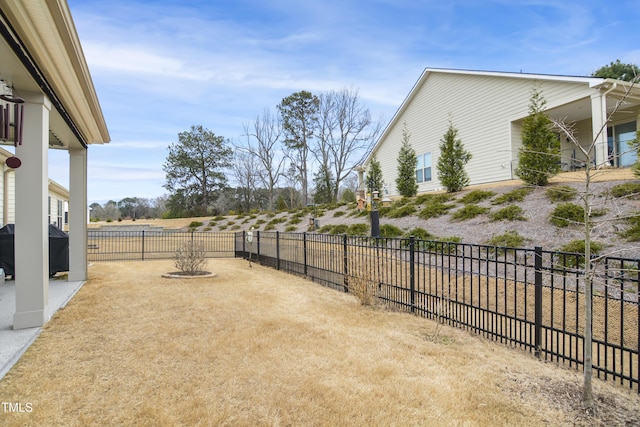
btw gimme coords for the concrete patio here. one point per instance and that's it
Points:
(13, 343)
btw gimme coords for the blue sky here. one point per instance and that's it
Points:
(160, 66)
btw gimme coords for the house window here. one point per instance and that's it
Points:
(423, 168)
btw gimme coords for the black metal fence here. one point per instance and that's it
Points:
(529, 298)
(145, 244)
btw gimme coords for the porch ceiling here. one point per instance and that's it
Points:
(581, 109)
(574, 111)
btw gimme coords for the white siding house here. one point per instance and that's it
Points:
(58, 197)
(58, 205)
(488, 108)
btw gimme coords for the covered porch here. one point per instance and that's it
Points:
(48, 102)
(607, 117)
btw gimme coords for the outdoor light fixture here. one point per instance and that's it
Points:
(8, 94)
(11, 98)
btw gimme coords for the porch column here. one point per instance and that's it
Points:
(77, 214)
(599, 129)
(31, 228)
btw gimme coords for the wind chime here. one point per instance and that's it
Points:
(11, 124)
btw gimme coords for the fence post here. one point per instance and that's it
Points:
(538, 300)
(277, 250)
(142, 245)
(412, 272)
(304, 251)
(638, 358)
(258, 245)
(346, 263)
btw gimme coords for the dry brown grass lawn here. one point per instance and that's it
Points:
(258, 347)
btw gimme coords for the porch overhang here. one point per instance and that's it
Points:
(43, 65)
(41, 53)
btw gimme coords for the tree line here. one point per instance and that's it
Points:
(300, 153)
(129, 207)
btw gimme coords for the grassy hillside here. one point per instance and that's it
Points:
(509, 214)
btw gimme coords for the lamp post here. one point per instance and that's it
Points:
(374, 214)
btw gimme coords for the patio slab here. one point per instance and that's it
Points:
(13, 343)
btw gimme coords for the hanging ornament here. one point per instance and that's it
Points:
(18, 123)
(13, 162)
(5, 117)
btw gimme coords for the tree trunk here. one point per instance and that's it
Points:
(587, 390)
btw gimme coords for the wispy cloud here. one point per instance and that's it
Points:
(127, 59)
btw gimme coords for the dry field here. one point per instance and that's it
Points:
(257, 347)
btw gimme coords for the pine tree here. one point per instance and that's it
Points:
(452, 160)
(406, 180)
(540, 151)
(324, 186)
(373, 180)
(195, 169)
(618, 70)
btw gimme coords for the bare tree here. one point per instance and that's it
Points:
(350, 182)
(590, 172)
(321, 149)
(110, 211)
(292, 184)
(346, 131)
(246, 172)
(263, 143)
